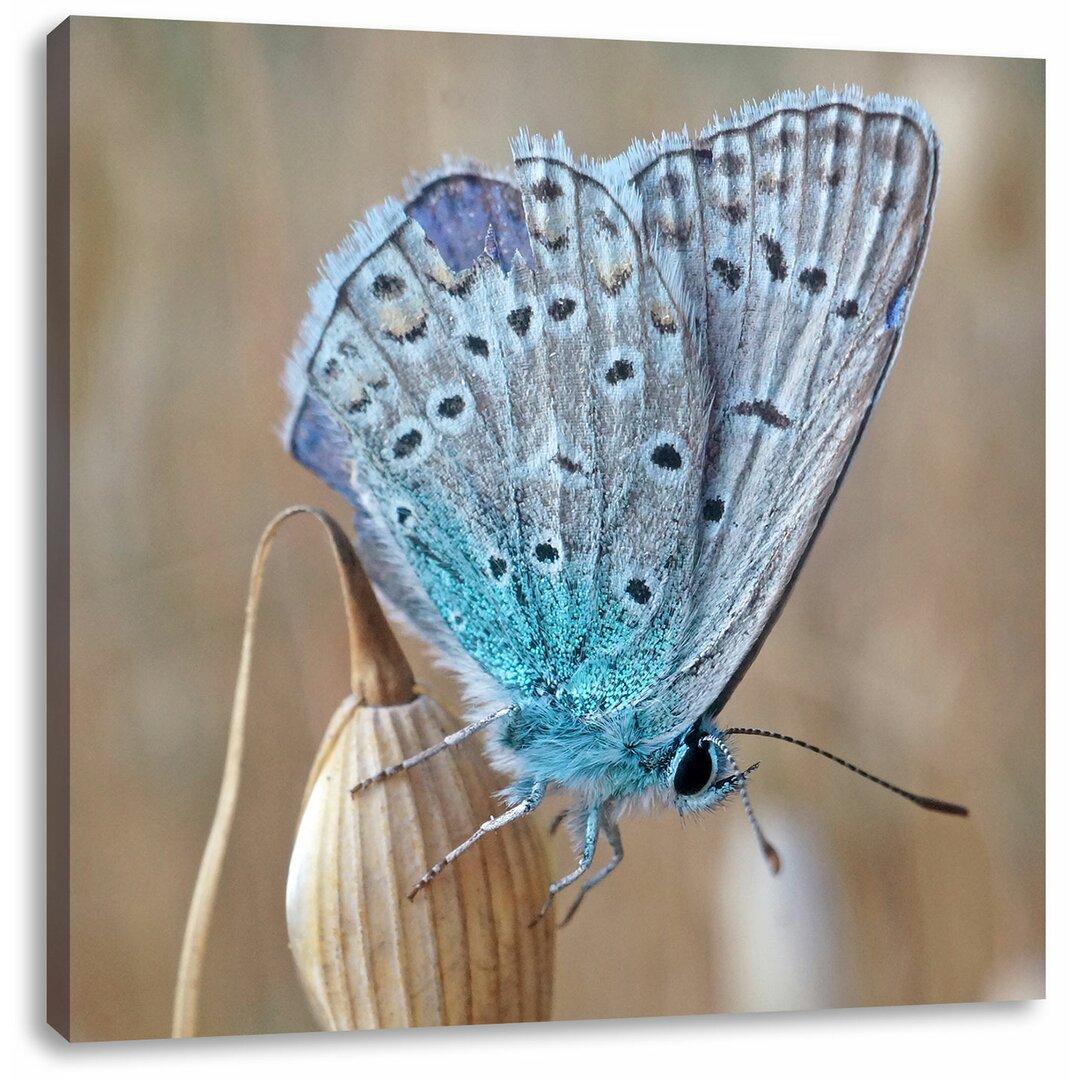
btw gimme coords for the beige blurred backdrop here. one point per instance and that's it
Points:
(212, 166)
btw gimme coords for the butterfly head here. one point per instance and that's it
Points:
(702, 772)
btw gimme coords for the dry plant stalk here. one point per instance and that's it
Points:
(463, 950)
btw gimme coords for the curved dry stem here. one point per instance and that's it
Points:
(380, 674)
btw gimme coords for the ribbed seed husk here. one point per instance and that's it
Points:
(461, 952)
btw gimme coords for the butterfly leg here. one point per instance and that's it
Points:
(611, 834)
(519, 809)
(588, 852)
(559, 818)
(451, 740)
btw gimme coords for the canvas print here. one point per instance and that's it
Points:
(490, 459)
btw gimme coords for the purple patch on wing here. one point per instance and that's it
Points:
(456, 211)
(319, 443)
(894, 316)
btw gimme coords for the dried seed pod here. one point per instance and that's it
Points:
(462, 951)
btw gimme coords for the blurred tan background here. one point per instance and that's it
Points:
(213, 165)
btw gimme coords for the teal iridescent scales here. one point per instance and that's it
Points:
(483, 410)
(592, 415)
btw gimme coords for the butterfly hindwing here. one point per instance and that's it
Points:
(464, 211)
(481, 409)
(610, 417)
(460, 207)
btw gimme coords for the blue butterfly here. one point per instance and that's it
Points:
(592, 415)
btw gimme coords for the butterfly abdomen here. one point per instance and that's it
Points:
(603, 756)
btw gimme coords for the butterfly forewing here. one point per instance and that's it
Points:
(814, 215)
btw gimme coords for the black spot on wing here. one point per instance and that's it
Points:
(387, 287)
(458, 288)
(771, 184)
(619, 372)
(605, 224)
(774, 257)
(615, 280)
(670, 185)
(664, 320)
(546, 553)
(552, 243)
(842, 133)
(408, 443)
(730, 164)
(713, 510)
(677, 231)
(451, 407)
(665, 456)
(568, 465)
(765, 411)
(813, 279)
(476, 345)
(730, 274)
(546, 190)
(519, 320)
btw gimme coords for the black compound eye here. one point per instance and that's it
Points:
(695, 771)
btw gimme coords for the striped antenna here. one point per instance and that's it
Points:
(924, 801)
(772, 856)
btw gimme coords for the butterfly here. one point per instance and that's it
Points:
(591, 416)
